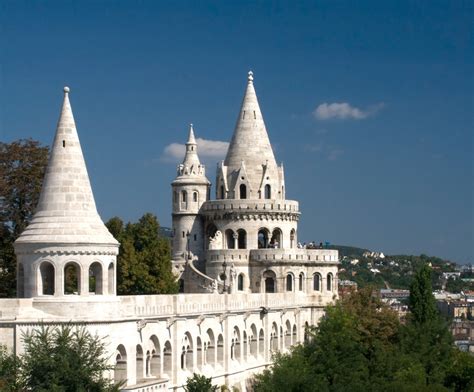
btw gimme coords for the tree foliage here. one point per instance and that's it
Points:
(144, 262)
(200, 383)
(58, 359)
(359, 345)
(22, 167)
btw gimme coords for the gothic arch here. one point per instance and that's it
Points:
(242, 191)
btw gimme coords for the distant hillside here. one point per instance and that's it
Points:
(166, 232)
(348, 251)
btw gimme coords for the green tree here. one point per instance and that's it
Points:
(200, 383)
(10, 378)
(426, 337)
(65, 359)
(353, 347)
(22, 167)
(144, 262)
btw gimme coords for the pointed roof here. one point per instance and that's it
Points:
(66, 212)
(250, 142)
(191, 157)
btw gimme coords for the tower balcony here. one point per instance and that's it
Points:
(312, 256)
(250, 208)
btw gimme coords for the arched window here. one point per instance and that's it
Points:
(222, 195)
(47, 278)
(240, 282)
(220, 350)
(268, 191)
(195, 196)
(263, 239)
(329, 282)
(276, 240)
(120, 369)
(187, 352)
(175, 197)
(289, 282)
(154, 363)
(253, 341)
(184, 196)
(261, 342)
(317, 282)
(269, 285)
(243, 191)
(235, 353)
(242, 239)
(167, 359)
(301, 282)
(72, 278)
(139, 364)
(210, 348)
(292, 238)
(230, 238)
(95, 278)
(181, 286)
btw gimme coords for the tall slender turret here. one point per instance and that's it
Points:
(190, 191)
(249, 170)
(66, 236)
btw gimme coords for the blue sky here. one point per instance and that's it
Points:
(368, 104)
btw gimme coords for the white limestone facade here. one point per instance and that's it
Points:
(249, 290)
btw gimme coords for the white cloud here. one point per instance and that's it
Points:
(215, 149)
(344, 110)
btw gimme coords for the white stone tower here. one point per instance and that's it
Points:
(249, 170)
(66, 249)
(190, 190)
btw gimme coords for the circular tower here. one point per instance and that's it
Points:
(190, 190)
(66, 249)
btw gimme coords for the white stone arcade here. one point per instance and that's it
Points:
(248, 289)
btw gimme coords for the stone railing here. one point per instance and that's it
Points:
(249, 205)
(146, 306)
(319, 255)
(229, 255)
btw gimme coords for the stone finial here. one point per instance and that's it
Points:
(250, 76)
(66, 90)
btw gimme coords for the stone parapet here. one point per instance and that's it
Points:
(324, 256)
(251, 206)
(146, 306)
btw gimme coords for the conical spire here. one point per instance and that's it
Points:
(191, 157)
(66, 212)
(250, 142)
